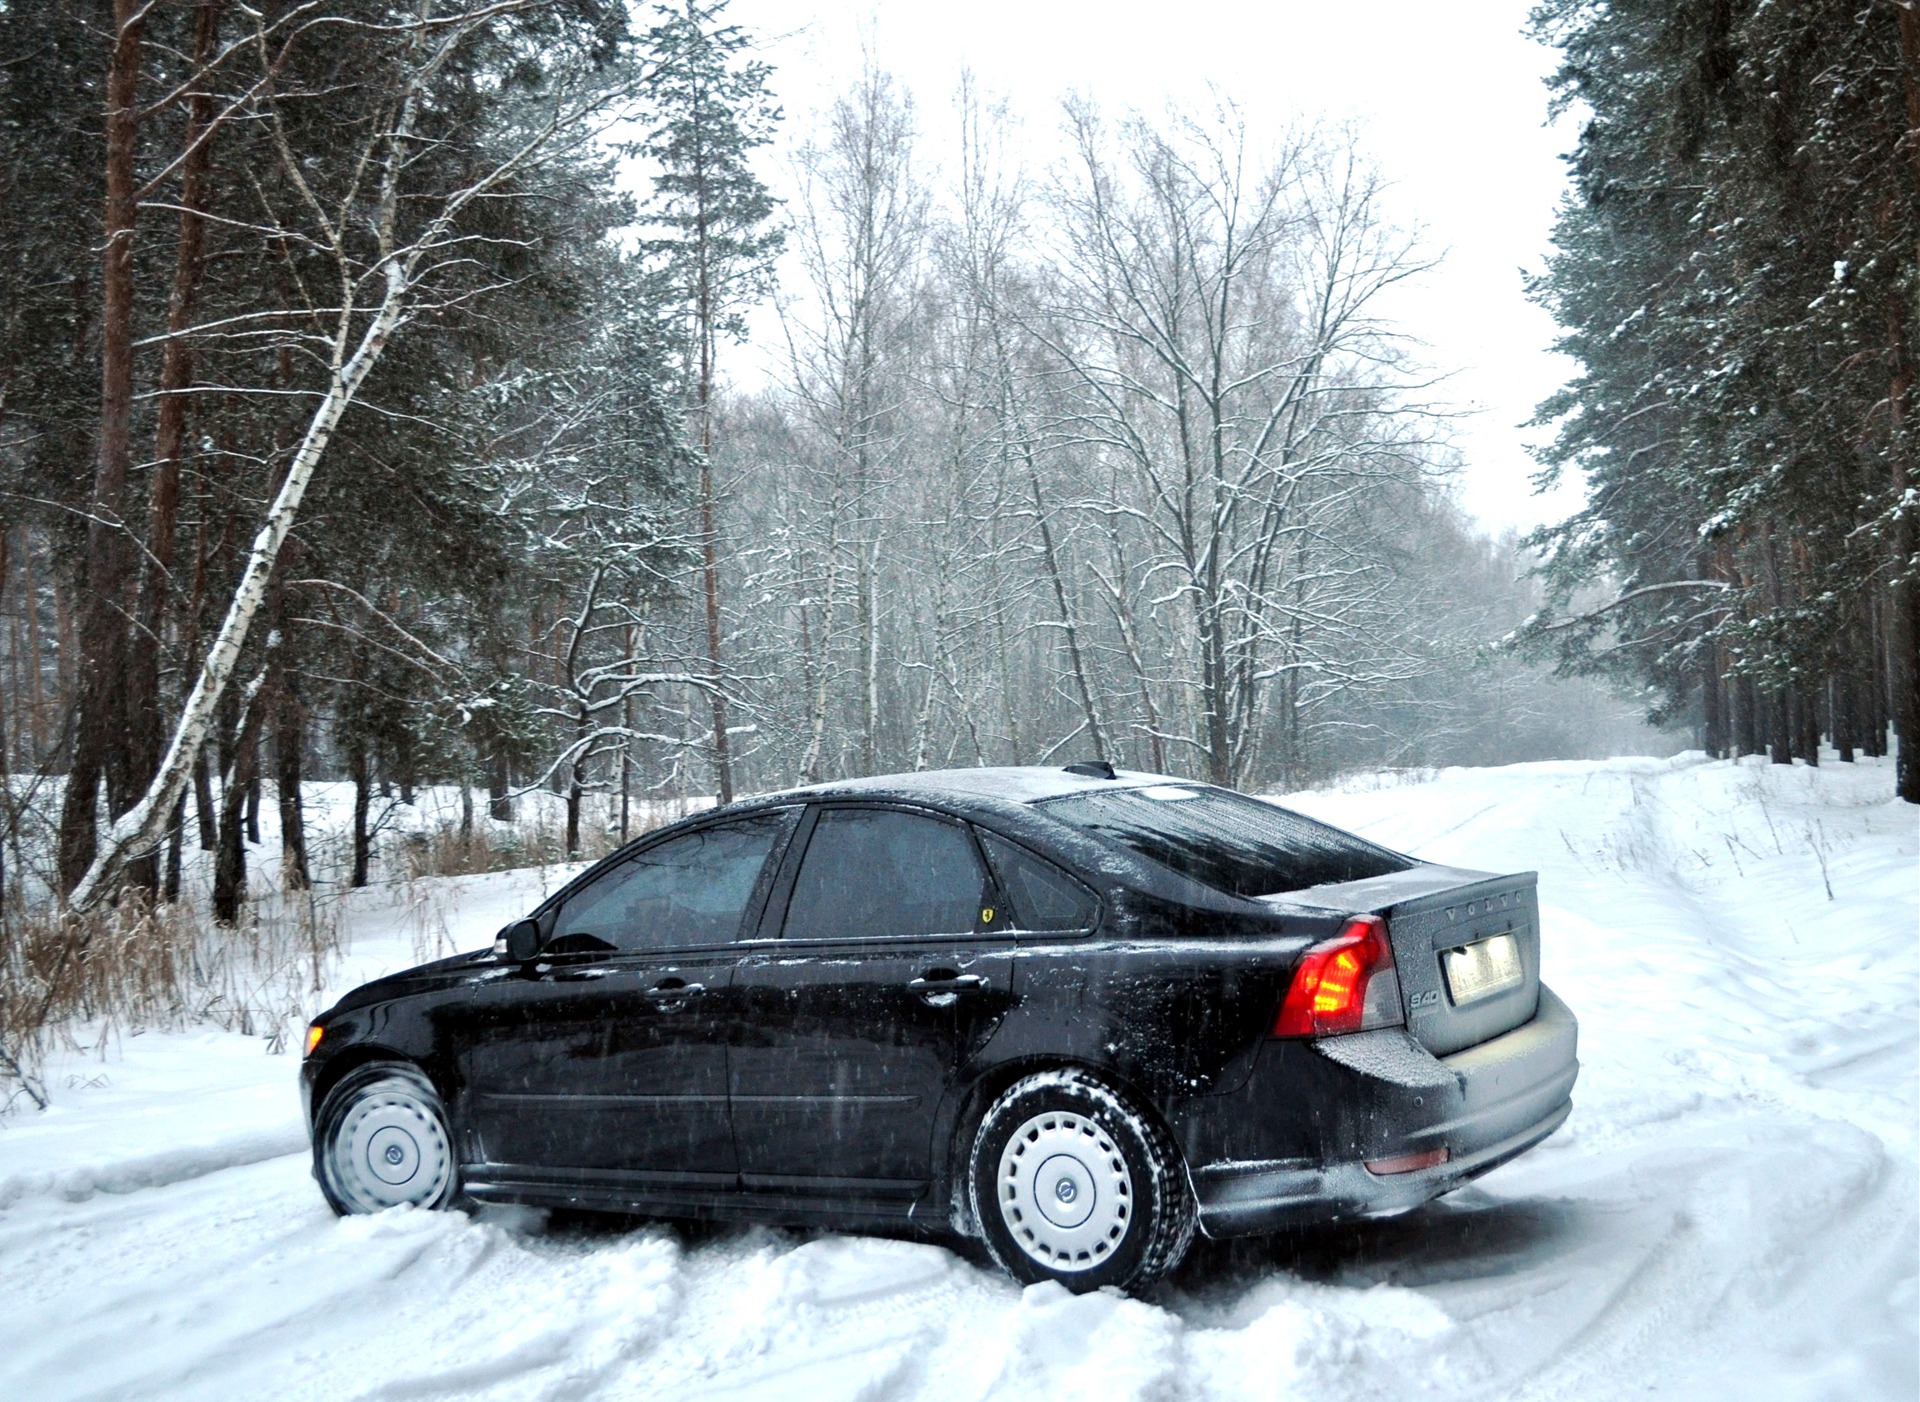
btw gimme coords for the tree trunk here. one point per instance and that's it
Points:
(203, 802)
(145, 725)
(576, 785)
(499, 782)
(1746, 721)
(176, 841)
(36, 697)
(1094, 729)
(1009, 717)
(710, 588)
(66, 645)
(1779, 728)
(1903, 600)
(230, 861)
(403, 763)
(6, 769)
(1843, 715)
(357, 771)
(704, 333)
(626, 756)
(869, 630)
(1903, 597)
(923, 718)
(1213, 695)
(1713, 733)
(289, 740)
(1130, 640)
(99, 747)
(813, 766)
(1876, 656)
(1805, 719)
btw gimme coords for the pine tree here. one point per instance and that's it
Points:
(717, 244)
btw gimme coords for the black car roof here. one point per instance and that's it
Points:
(1003, 795)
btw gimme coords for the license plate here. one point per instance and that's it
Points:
(1483, 969)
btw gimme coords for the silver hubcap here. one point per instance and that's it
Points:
(389, 1148)
(1065, 1193)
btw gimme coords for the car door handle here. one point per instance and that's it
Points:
(939, 989)
(673, 994)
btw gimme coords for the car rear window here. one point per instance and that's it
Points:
(1225, 840)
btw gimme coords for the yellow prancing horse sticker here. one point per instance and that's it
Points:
(986, 915)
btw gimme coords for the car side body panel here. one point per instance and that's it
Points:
(839, 1064)
(614, 1066)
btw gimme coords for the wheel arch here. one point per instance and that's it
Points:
(351, 1059)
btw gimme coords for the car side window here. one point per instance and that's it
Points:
(885, 874)
(1043, 897)
(689, 890)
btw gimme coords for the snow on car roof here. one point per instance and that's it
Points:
(1012, 783)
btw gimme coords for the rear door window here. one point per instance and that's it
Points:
(1226, 840)
(1043, 897)
(885, 874)
(682, 893)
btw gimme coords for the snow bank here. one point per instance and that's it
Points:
(150, 1110)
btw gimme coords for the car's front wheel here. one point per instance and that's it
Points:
(1071, 1183)
(381, 1140)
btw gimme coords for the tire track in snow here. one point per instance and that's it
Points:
(154, 1170)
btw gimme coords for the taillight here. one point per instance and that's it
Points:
(1345, 984)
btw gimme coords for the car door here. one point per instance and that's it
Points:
(606, 1060)
(889, 970)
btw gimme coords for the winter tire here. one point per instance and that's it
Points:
(1071, 1183)
(382, 1140)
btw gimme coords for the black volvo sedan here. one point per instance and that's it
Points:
(1075, 1013)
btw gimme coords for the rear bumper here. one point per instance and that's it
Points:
(1386, 1097)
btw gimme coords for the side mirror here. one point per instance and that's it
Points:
(523, 941)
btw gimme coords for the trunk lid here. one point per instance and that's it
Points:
(1456, 935)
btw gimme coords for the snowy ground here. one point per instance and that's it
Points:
(1731, 1210)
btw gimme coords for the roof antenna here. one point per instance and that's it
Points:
(1092, 769)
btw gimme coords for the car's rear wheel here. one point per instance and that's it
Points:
(1071, 1183)
(381, 1141)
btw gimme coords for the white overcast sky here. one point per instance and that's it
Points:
(1446, 94)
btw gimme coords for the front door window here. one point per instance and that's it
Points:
(687, 892)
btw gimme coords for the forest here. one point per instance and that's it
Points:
(365, 416)
(1737, 272)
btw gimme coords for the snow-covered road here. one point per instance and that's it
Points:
(1733, 1210)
